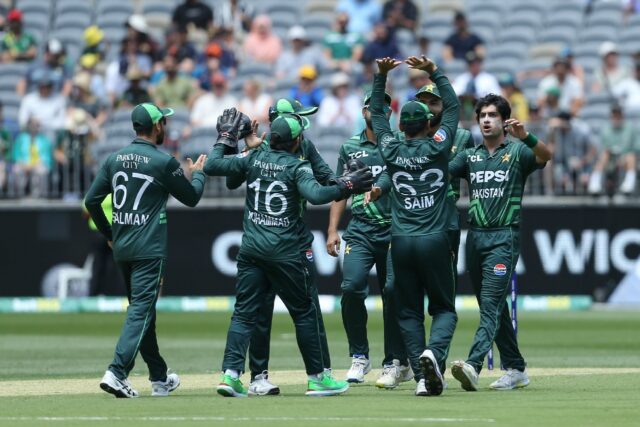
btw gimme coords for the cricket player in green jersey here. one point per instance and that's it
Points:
(270, 255)
(367, 244)
(496, 172)
(259, 347)
(140, 178)
(422, 217)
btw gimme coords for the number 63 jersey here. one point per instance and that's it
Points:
(140, 179)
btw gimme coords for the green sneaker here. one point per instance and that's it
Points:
(230, 387)
(326, 386)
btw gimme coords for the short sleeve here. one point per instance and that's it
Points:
(527, 159)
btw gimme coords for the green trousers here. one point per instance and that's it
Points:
(260, 343)
(290, 280)
(143, 280)
(492, 255)
(424, 264)
(366, 245)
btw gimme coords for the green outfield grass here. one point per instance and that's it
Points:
(54, 348)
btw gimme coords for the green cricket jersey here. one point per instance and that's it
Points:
(321, 172)
(359, 147)
(418, 169)
(140, 177)
(496, 182)
(461, 142)
(277, 180)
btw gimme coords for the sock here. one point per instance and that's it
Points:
(232, 373)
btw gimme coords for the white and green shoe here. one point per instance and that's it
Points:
(231, 387)
(326, 385)
(466, 374)
(510, 380)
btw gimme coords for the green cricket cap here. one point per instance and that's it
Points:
(431, 89)
(367, 98)
(553, 91)
(293, 106)
(414, 110)
(144, 116)
(286, 127)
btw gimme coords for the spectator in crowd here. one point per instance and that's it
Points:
(193, 12)
(511, 92)
(53, 64)
(17, 45)
(383, 44)
(340, 107)
(306, 92)
(299, 53)
(5, 150)
(363, 14)
(82, 98)
(342, 49)
(32, 160)
(4, 11)
(631, 7)
(575, 69)
(210, 105)
(261, 44)
(551, 106)
(401, 14)
(573, 153)
(610, 73)
(617, 157)
(88, 64)
(571, 92)
(45, 106)
(174, 89)
(234, 15)
(115, 77)
(136, 93)
(177, 46)
(462, 41)
(476, 82)
(627, 92)
(424, 42)
(255, 103)
(138, 31)
(94, 43)
(417, 79)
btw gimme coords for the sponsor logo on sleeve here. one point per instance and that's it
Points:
(440, 135)
(309, 254)
(499, 269)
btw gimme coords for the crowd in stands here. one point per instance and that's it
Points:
(69, 108)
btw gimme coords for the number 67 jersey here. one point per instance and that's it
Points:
(140, 179)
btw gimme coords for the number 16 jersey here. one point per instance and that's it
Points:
(140, 178)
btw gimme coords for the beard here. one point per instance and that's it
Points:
(160, 138)
(367, 120)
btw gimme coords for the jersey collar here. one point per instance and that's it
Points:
(144, 141)
(504, 144)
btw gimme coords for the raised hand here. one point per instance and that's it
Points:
(227, 127)
(515, 128)
(423, 63)
(253, 140)
(387, 64)
(198, 165)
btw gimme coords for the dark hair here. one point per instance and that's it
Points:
(502, 105)
(281, 145)
(414, 127)
(435, 120)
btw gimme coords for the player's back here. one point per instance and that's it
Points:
(273, 205)
(136, 173)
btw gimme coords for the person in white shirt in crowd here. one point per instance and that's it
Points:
(475, 82)
(627, 92)
(340, 108)
(45, 106)
(571, 91)
(210, 105)
(300, 52)
(611, 73)
(255, 103)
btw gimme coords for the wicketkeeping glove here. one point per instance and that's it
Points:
(227, 127)
(357, 180)
(244, 127)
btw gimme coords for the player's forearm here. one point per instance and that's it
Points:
(218, 165)
(316, 194)
(540, 149)
(379, 120)
(335, 214)
(451, 110)
(384, 182)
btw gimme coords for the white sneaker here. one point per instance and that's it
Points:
(595, 183)
(406, 373)
(261, 386)
(421, 388)
(163, 388)
(466, 374)
(431, 372)
(360, 366)
(119, 388)
(510, 380)
(390, 376)
(628, 183)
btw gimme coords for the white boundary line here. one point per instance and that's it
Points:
(235, 419)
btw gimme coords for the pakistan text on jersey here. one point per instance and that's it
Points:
(267, 220)
(487, 193)
(412, 162)
(129, 218)
(420, 202)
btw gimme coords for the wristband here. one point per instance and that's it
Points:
(530, 140)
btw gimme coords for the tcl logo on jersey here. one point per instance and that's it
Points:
(475, 158)
(488, 176)
(440, 136)
(358, 155)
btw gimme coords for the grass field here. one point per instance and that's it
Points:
(584, 368)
